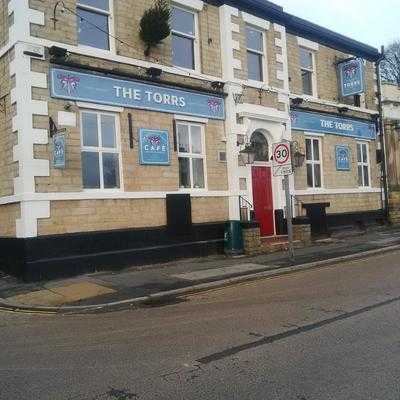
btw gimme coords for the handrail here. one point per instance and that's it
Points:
(246, 201)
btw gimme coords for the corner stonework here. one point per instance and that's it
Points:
(22, 123)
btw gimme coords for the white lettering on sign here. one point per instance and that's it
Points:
(156, 97)
(337, 125)
(154, 148)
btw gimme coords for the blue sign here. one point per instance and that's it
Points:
(59, 151)
(154, 147)
(323, 123)
(100, 89)
(342, 158)
(351, 76)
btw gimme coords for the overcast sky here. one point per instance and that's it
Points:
(374, 22)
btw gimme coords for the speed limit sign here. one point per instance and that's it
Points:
(281, 159)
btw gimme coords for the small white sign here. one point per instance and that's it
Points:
(281, 159)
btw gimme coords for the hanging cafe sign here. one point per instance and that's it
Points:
(101, 89)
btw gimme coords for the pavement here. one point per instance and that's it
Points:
(327, 333)
(165, 283)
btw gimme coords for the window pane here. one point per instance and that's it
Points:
(254, 39)
(110, 170)
(366, 176)
(254, 66)
(103, 4)
(198, 173)
(317, 175)
(90, 170)
(360, 178)
(182, 21)
(184, 173)
(183, 138)
(310, 182)
(182, 52)
(316, 149)
(108, 131)
(358, 152)
(306, 60)
(364, 153)
(196, 140)
(90, 35)
(308, 150)
(306, 77)
(90, 129)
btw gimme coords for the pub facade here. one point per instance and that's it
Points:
(116, 154)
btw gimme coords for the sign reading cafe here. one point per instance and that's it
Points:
(154, 147)
(101, 89)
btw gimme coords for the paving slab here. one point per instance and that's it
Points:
(222, 272)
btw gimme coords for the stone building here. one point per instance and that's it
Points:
(112, 157)
(391, 115)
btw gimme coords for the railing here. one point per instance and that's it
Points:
(246, 209)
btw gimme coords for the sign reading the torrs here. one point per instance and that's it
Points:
(281, 159)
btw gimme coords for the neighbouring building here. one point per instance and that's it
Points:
(113, 157)
(391, 115)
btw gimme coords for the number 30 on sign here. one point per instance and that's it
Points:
(281, 159)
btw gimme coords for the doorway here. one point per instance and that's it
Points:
(263, 200)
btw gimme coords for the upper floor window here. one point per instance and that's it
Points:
(255, 53)
(307, 69)
(183, 32)
(363, 164)
(93, 23)
(313, 162)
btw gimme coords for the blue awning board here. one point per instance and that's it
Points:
(102, 89)
(325, 123)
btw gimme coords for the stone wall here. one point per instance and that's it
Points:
(71, 216)
(9, 213)
(326, 75)
(341, 203)
(126, 19)
(331, 178)
(9, 168)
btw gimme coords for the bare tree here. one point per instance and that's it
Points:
(390, 67)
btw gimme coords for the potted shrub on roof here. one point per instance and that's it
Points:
(154, 25)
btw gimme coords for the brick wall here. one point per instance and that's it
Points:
(126, 19)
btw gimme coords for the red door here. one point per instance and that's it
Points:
(262, 199)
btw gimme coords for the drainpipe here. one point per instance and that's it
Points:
(382, 136)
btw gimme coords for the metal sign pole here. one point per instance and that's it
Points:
(289, 217)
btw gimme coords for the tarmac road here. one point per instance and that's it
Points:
(329, 333)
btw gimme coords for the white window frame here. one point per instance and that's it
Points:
(262, 53)
(313, 71)
(190, 156)
(314, 162)
(100, 149)
(363, 164)
(111, 33)
(195, 37)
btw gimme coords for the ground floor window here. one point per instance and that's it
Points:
(313, 162)
(100, 150)
(191, 155)
(363, 164)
